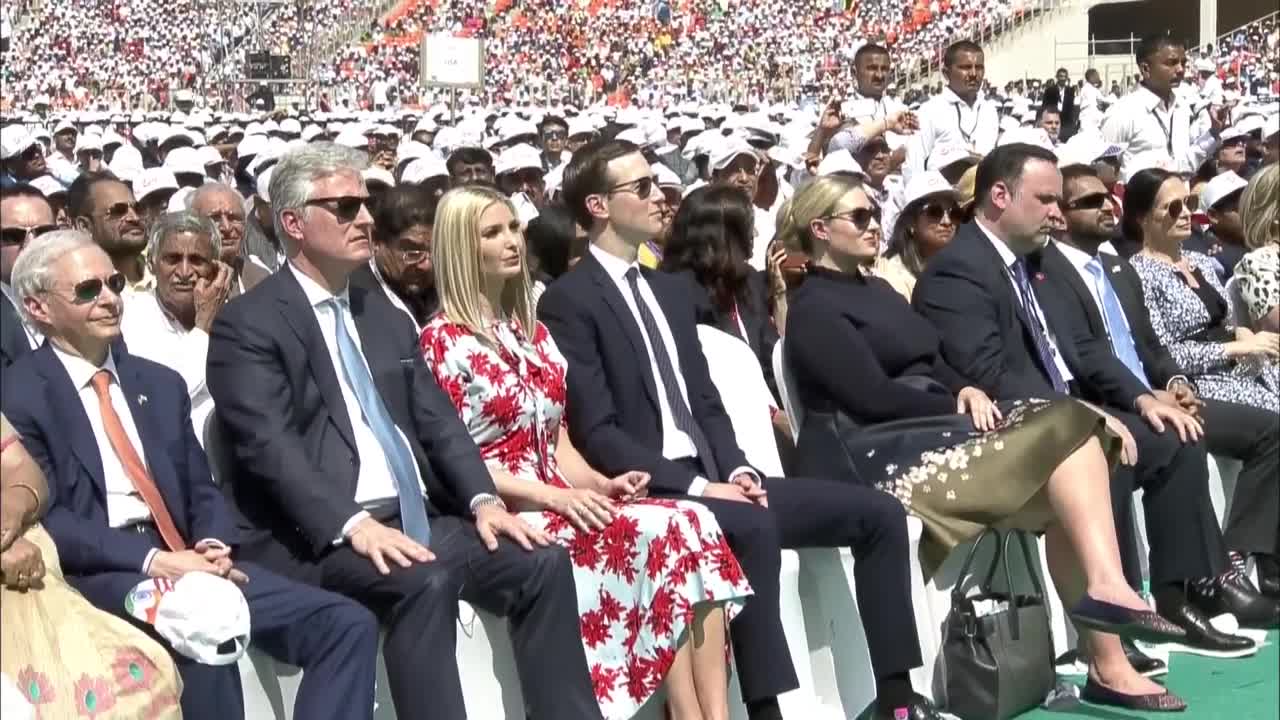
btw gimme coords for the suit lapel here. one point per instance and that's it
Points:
(302, 319)
(1130, 293)
(626, 320)
(157, 462)
(64, 398)
(1060, 266)
(378, 354)
(1004, 279)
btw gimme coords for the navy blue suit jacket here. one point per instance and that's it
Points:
(45, 408)
(613, 414)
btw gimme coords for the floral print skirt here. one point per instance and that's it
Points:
(637, 582)
(71, 660)
(959, 481)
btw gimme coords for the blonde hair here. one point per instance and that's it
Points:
(455, 254)
(1259, 210)
(818, 199)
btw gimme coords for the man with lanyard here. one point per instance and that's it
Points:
(959, 115)
(872, 113)
(1152, 117)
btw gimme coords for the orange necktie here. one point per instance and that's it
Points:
(133, 466)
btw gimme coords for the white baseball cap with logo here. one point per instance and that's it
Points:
(928, 184)
(14, 140)
(152, 180)
(1217, 189)
(202, 616)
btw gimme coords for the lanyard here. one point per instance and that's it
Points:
(1167, 131)
(968, 136)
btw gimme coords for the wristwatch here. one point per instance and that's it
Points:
(484, 499)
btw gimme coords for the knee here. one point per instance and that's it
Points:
(887, 516)
(351, 619)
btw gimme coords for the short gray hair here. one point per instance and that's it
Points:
(33, 270)
(213, 188)
(183, 221)
(293, 176)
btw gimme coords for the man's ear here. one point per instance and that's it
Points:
(597, 206)
(82, 223)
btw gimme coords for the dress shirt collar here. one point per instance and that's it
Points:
(615, 266)
(316, 295)
(1006, 255)
(951, 98)
(81, 370)
(1079, 258)
(1151, 101)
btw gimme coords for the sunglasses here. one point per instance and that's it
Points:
(642, 187)
(345, 208)
(87, 291)
(1175, 209)
(1095, 201)
(860, 217)
(934, 212)
(119, 210)
(554, 135)
(20, 235)
(413, 257)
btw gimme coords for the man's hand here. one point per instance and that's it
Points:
(211, 294)
(173, 565)
(22, 565)
(1158, 414)
(216, 552)
(1183, 397)
(587, 510)
(492, 521)
(831, 120)
(903, 122)
(628, 486)
(751, 489)
(725, 491)
(373, 540)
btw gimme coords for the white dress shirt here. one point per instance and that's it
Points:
(947, 119)
(153, 333)
(124, 504)
(1140, 122)
(375, 483)
(676, 443)
(34, 336)
(1008, 259)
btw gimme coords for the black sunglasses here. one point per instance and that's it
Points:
(1095, 201)
(554, 135)
(19, 236)
(1174, 209)
(860, 217)
(345, 208)
(86, 291)
(642, 187)
(934, 212)
(121, 209)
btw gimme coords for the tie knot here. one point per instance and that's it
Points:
(100, 381)
(338, 303)
(633, 274)
(1094, 266)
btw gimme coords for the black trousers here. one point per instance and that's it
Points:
(418, 607)
(813, 513)
(1252, 436)
(1186, 542)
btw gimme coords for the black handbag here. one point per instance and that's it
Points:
(1001, 664)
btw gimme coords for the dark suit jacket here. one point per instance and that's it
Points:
(363, 277)
(45, 409)
(1156, 358)
(13, 338)
(279, 404)
(614, 418)
(986, 336)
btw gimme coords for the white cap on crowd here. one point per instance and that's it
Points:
(840, 162)
(723, 153)
(375, 175)
(928, 184)
(15, 140)
(1221, 186)
(518, 157)
(1147, 160)
(263, 184)
(126, 164)
(153, 180)
(185, 160)
(424, 168)
(947, 153)
(87, 142)
(666, 176)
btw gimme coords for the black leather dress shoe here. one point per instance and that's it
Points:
(1142, 663)
(1236, 595)
(1202, 638)
(1268, 575)
(1160, 702)
(919, 709)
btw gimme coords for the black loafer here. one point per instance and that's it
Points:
(919, 709)
(1235, 594)
(1142, 663)
(1144, 625)
(1202, 637)
(1159, 702)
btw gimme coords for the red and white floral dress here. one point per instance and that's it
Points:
(637, 579)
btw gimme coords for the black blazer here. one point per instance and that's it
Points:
(613, 414)
(363, 277)
(46, 410)
(13, 338)
(986, 336)
(1156, 358)
(281, 410)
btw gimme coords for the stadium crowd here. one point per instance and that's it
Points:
(406, 344)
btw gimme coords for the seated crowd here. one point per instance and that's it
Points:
(462, 361)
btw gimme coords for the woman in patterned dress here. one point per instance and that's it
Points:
(1259, 271)
(656, 580)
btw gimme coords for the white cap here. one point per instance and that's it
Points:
(723, 153)
(154, 179)
(1271, 127)
(184, 96)
(251, 145)
(422, 169)
(311, 132)
(208, 155)
(14, 140)
(176, 133)
(1085, 148)
(946, 153)
(635, 136)
(1204, 65)
(178, 200)
(1147, 160)
(580, 125)
(263, 184)
(197, 614)
(514, 128)
(840, 161)
(1219, 188)
(352, 138)
(88, 142)
(126, 164)
(518, 157)
(184, 160)
(1036, 136)
(111, 137)
(666, 176)
(375, 174)
(1231, 133)
(48, 186)
(291, 126)
(928, 183)
(63, 125)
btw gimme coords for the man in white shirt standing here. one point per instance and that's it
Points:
(1153, 117)
(872, 112)
(959, 114)
(170, 324)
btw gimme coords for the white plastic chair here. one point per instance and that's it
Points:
(787, 389)
(1239, 308)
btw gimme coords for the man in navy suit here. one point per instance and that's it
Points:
(641, 398)
(133, 494)
(354, 472)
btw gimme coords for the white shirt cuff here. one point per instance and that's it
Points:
(350, 525)
(697, 487)
(748, 470)
(146, 564)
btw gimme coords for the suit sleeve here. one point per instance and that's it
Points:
(593, 421)
(253, 399)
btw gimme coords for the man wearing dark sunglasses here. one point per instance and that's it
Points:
(381, 496)
(1223, 240)
(104, 207)
(135, 498)
(24, 216)
(21, 156)
(553, 133)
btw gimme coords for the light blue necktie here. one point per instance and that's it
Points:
(1121, 339)
(413, 511)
